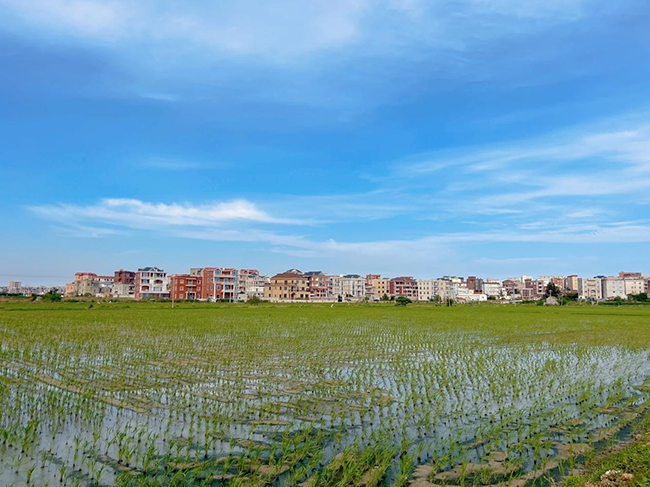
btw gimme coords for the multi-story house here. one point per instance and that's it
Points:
(151, 282)
(124, 284)
(250, 283)
(353, 287)
(474, 284)
(590, 288)
(69, 289)
(219, 283)
(380, 285)
(493, 287)
(319, 286)
(613, 288)
(335, 290)
(469, 295)
(512, 286)
(404, 286)
(425, 289)
(291, 285)
(185, 287)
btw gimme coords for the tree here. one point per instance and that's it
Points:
(51, 295)
(552, 290)
(384, 297)
(402, 301)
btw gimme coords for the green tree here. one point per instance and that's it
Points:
(552, 290)
(52, 295)
(402, 301)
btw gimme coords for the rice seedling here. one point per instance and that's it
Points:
(271, 395)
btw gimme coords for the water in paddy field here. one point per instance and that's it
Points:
(440, 408)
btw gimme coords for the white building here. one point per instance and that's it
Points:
(469, 296)
(634, 286)
(250, 284)
(613, 288)
(493, 287)
(428, 289)
(151, 282)
(353, 286)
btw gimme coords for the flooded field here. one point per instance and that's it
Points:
(141, 394)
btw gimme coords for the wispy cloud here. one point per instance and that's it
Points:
(133, 213)
(289, 28)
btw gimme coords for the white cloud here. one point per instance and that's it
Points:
(133, 213)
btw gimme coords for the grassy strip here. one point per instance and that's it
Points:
(627, 464)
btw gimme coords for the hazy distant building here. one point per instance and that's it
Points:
(15, 287)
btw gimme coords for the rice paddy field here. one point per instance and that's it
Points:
(140, 394)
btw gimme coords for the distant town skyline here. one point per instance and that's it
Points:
(490, 138)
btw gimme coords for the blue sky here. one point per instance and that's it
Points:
(486, 137)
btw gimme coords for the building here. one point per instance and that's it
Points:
(634, 286)
(291, 285)
(469, 295)
(404, 286)
(380, 286)
(151, 282)
(353, 287)
(590, 289)
(493, 287)
(15, 287)
(123, 284)
(69, 289)
(250, 284)
(319, 286)
(219, 283)
(630, 275)
(571, 283)
(613, 288)
(512, 286)
(185, 287)
(474, 284)
(426, 289)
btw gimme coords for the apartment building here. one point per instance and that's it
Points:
(590, 288)
(15, 287)
(151, 282)
(571, 283)
(404, 286)
(634, 286)
(291, 285)
(613, 288)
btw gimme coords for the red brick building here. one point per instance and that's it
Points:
(185, 287)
